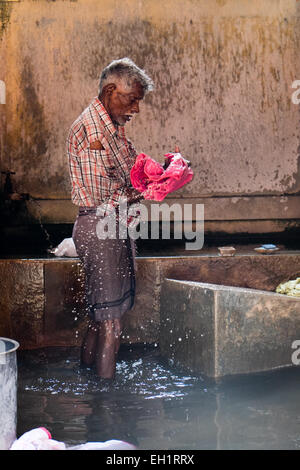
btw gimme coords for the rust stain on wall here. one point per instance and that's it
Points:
(28, 139)
(5, 11)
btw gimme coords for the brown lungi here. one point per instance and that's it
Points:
(108, 266)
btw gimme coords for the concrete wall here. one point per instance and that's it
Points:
(42, 300)
(223, 71)
(216, 330)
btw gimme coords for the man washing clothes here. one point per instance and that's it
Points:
(100, 159)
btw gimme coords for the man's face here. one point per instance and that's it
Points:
(123, 102)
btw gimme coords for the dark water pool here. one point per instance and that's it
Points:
(154, 406)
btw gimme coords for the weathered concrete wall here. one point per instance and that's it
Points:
(223, 71)
(42, 302)
(216, 330)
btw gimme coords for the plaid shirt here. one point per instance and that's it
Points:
(99, 177)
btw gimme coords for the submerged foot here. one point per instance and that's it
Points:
(105, 382)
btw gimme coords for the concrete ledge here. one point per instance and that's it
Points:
(220, 330)
(42, 301)
(216, 208)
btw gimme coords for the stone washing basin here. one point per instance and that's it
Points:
(42, 305)
(219, 330)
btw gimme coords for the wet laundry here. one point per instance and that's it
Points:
(41, 439)
(155, 181)
(291, 288)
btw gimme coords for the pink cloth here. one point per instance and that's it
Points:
(153, 181)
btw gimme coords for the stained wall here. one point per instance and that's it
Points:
(223, 71)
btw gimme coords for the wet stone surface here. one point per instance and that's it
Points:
(219, 330)
(42, 302)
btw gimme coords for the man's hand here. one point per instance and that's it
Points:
(167, 161)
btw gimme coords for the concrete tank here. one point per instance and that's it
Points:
(8, 392)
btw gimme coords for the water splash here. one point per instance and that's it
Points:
(39, 216)
(145, 376)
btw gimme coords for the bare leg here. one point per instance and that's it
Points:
(109, 336)
(89, 344)
(118, 327)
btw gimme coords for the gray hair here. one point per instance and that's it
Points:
(125, 69)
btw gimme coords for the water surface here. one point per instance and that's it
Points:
(155, 406)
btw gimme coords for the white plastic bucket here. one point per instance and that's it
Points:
(8, 392)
